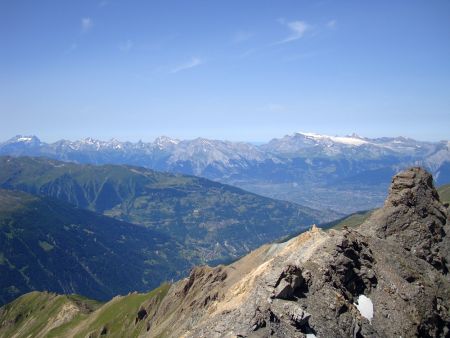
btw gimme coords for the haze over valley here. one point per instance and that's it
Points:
(224, 169)
(313, 170)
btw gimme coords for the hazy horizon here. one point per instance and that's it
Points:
(255, 142)
(224, 70)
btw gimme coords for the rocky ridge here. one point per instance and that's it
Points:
(387, 278)
(413, 217)
(311, 284)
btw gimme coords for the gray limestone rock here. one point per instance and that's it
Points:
(398, 259)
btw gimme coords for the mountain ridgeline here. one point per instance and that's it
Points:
(106, 230)
(386, 278)
(46, 244)
(313, 170)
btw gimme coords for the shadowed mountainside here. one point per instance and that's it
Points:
(47, 244)
(389, 277)
(214, 222)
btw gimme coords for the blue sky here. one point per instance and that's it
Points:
(237, 70)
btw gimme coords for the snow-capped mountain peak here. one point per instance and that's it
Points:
(164, 141)
(353, 140)
(25, 139)
(89, 140)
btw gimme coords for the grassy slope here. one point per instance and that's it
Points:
(117, 318)
(50, 245)
(444, 193)
(31, 314)
(35, 312)
(351, 221)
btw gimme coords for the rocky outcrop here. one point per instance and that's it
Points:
(413, 217)
(387, 278)
(311, 284)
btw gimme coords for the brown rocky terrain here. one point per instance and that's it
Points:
(386, 278)
(310, 285)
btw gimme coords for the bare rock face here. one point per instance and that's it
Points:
(387, 278)
(288, 282)
(312, 284)
(413, 217)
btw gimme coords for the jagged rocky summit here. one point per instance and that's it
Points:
(387, 278)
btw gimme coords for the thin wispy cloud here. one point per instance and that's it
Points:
(247, 53)
(86, 24)
(332, 24)
(242, 36)
(71, 48)
(298, 30)
(126, 46)
(275, 108)
(194, 62)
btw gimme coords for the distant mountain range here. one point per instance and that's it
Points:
(345, 174)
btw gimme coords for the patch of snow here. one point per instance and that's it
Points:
(24, 139)
(165, 139)
(89, 140)
(355, 141)
(310, 335)
(365, 307)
